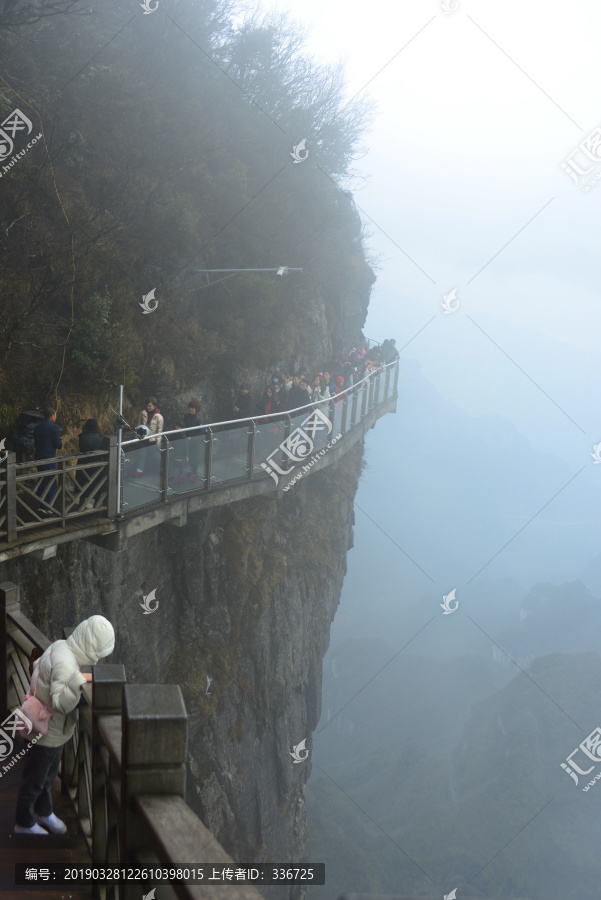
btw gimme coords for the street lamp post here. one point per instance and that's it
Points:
(281, 270)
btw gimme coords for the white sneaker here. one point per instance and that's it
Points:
(52, 823)
(35, 829)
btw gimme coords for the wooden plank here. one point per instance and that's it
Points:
(38, 850)
(21, 671)
(28, 628)
(177, 836)
(109, 728)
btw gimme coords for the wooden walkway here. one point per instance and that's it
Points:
(38, 850)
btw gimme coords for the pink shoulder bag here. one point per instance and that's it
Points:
(37, 712)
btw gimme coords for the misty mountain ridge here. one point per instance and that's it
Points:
(454, 808)
(550, 400)
(459, 502)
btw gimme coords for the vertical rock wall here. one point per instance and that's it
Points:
(246, 596)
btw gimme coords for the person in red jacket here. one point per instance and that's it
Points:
(339, 388)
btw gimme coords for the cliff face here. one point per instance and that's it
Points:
(246, 596)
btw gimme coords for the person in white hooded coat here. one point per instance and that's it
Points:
(57, 681)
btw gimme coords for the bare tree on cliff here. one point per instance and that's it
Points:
(18, 13)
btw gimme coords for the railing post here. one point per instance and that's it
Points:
(396, 376)
(354, 409)
(153, 758)
(283, 460)
(363, 401)
(370, 401)
(9, 603)
(377, 387)
(344, 414)
(110, 443)
(387, 383)
(208, 459)
(11, 497)
(250, 456)
(107, 700)
(164, 457)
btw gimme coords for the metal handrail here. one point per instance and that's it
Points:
(259, 415)
(26, 494)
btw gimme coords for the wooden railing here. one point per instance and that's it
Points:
(31, 496)
(124, 768)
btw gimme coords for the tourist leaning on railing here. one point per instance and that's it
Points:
(57, 683)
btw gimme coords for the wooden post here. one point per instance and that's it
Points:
(9, 603)
(11, 497)
(110, 443)
(107, 700)
(61, 487)
(153, 758)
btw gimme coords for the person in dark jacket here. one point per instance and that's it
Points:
(243, 405)
(192, 418)
(378, 354)
(391, 352)
(267, 425)
(299, 396)
(284, 396)
(47, 438)
(90, 440)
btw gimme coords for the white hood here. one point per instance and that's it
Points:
(93, 639)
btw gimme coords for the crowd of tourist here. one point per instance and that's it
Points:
(288, 392)
(285, 393)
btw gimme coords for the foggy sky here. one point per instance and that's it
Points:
(464, 158)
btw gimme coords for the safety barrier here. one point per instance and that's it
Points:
(124, 769)
(54, 495)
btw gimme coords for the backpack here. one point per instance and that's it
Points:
(20, 439)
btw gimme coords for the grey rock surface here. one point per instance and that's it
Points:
(246, 596)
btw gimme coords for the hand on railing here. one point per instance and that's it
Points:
(87, 675)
